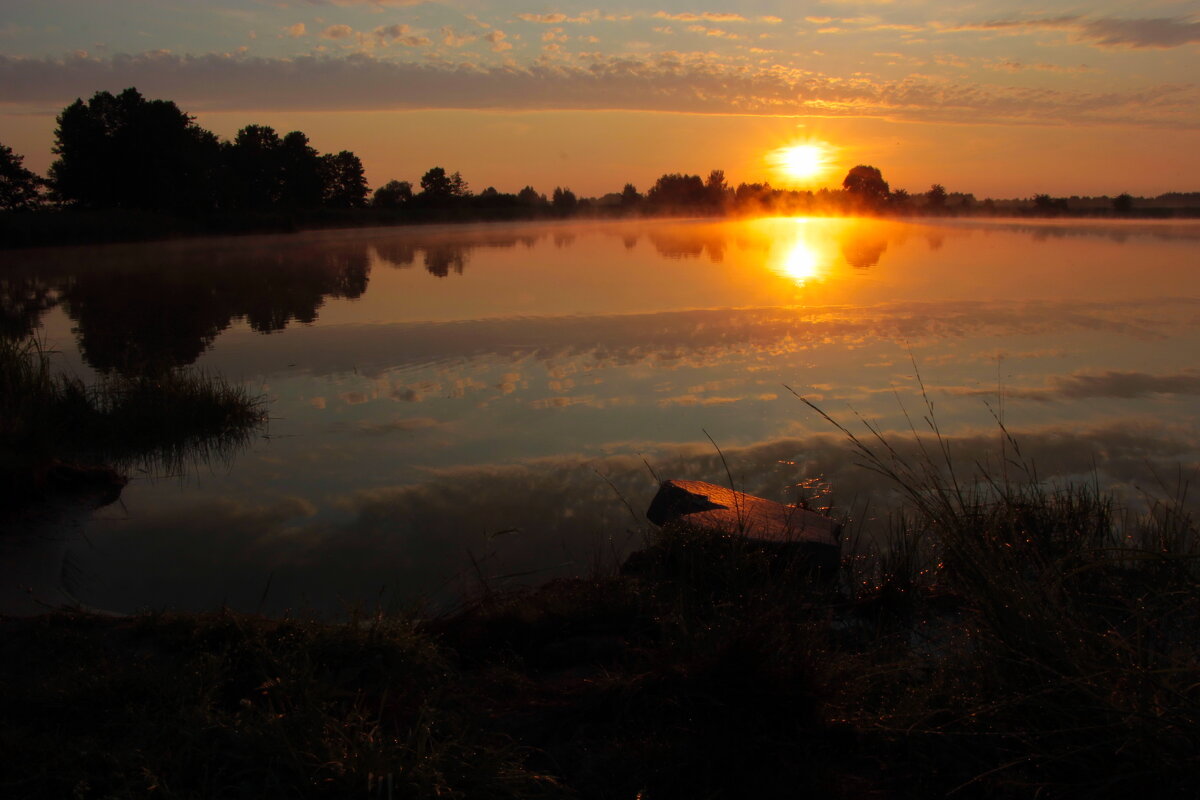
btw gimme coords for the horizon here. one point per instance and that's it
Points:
(993, 101)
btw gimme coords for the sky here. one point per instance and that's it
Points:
(984, 96)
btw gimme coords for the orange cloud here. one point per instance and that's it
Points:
(338, 32)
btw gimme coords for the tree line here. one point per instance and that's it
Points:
(124, 151)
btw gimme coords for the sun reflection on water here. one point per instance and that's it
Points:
(800, 262)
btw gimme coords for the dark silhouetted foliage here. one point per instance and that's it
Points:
(630, 196)
(19, 188)
(345, 185)
(392, 194)
(676, 190)
(436, 186)
(866, 183)
(563, 201)
(935, 198)
(123, 151)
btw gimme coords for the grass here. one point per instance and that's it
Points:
(1008, 639)
(160, 422)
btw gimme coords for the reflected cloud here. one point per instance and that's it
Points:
(562, 516)
(1108, 384)
(691, 337)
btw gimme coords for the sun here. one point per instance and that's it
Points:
(800, 162)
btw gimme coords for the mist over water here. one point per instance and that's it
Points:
(493, 393)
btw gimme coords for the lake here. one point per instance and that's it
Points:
(491, 403)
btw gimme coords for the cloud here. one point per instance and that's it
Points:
(401, 425)
(295, 31)
(559, 18)
(1157, 32)
(1116, 383)
(497, 38)
(679, 82)
(453, 38)
(337, 32)
(714, 32)
(705, 16)
(388, 34)
(378, 3)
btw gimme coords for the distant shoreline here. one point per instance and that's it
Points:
(29, 229)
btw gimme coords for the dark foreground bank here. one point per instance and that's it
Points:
(1030, 644)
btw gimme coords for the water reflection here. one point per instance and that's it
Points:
(431, 386)
(398, 542)
(143, 309)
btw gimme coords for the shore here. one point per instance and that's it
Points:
(708, 667)
(52, 228)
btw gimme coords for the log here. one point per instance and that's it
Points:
(786, 528)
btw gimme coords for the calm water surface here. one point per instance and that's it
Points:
(449, 403)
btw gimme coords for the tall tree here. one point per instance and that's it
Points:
(255, 162)
(630, 196)
(345, 181)
(124, 151)
(866, 184)
(18, 186)
(563, 201)
(436, 185)
(935, 198)
(715, 187)
(301, 180)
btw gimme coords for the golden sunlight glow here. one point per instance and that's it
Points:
(800, 162)
(800, 262)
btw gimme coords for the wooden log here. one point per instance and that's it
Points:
(786, 528)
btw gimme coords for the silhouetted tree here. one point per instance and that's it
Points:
(1123, 203)
(345, 185)
(563, 201)
(458, 186)
(866, 184)
(255, 166)
(630, 196)
(392, 194)
(19, 188)
(529, 197)
(715, 187)
(1046, 204)
(900, 198)
(302, 182)
(677, 190)
(935, 198)
(123, 151)
(436, 185)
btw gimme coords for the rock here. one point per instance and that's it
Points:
(789, 529)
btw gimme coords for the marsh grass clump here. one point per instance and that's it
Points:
(1070, 665)
(161, 421)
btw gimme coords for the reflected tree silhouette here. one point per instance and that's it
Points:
(23, 301)
(862, 250)
(442, 258)
(690, 244)
(139, 316)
